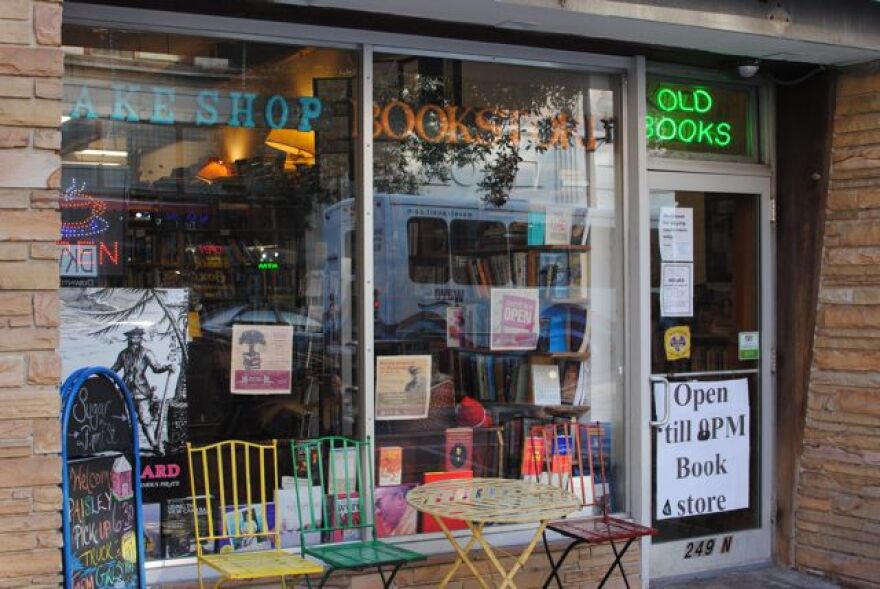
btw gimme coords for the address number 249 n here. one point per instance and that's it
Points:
(707, 547)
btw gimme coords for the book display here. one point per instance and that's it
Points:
(513, 345)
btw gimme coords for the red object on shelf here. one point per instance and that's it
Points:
(429, 524)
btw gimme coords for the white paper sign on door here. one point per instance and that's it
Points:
(675, 232)
(703, 450)
(676, 289)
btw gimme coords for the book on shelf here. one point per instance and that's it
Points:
(533, 457)
(429, 524)
(291, 518)
(251, 526)
(390, 465)
(537, 227)
(545, 384)
(459, 449)
(570, 376)
(493, 377)
(345, 510)
(394, 516)
(558, 231)
(341, 470)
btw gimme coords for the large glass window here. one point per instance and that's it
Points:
(498, 267)
(207, 231)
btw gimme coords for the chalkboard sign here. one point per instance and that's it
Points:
(99, 420)
(103, 529)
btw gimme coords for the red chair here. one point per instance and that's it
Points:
(563, 447)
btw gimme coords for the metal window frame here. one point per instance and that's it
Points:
(633, 203)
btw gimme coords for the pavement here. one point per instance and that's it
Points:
(765, 577)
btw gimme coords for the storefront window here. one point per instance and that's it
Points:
(207, 229)
(498, 268)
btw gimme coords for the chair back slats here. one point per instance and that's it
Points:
(342, 468)
(568, 456)
(222, 487)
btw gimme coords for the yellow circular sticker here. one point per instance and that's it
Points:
(677, 341)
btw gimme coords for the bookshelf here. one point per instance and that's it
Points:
(561, 275)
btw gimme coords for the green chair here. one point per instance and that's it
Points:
(338, 465)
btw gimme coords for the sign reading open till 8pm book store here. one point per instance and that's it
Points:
(703, 450)
(103, 533)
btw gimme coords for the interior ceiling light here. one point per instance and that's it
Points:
(102, 152)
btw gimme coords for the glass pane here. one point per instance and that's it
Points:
(726, 301)
(428, 241)
(207, 228)
(506, 180)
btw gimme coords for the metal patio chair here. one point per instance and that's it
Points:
(572, 438)
(344, 470)
(222, 488)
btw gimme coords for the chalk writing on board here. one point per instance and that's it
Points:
(103, 520)
(98, 420)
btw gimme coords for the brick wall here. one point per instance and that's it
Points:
(838, 506)
(30, 113)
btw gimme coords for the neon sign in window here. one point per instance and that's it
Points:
(697, 118)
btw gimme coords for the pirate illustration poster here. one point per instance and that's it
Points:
(141, 335)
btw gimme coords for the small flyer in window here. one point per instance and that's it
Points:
(558, 230)
(403, 387)
(454, 326)
(262, 359)
(675, 233)
(676, 289)
(514, 319)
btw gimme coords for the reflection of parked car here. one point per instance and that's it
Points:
(219, 323)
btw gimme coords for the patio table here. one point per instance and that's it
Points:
(483, 501)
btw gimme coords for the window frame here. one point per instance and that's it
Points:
(631, 180)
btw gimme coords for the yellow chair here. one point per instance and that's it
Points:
(237, 515)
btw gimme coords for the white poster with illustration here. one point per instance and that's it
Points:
(514, 318)
(403, 387)
(141, 335)
(262, 359)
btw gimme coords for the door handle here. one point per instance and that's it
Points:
(665, 382)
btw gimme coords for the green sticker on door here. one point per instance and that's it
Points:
(749, 345)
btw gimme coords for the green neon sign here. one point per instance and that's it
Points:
(684, 117)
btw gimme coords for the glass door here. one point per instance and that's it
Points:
(710, 322)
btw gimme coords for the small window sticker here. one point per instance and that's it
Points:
(749, 345)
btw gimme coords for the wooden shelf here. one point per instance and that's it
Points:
(564, 355)
(559, 355)
(551, 248)
(568, 300)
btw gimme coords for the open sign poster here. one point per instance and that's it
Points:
(703, 450)
(262, 359)
(515, 320)
(403, 387)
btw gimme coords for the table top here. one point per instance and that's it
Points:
(493, 500)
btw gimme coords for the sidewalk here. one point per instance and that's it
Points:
(765, 576)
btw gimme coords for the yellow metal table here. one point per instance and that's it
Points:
(483, 501)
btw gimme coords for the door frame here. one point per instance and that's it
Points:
(748, 546)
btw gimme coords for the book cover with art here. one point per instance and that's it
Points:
(345, 514)
(459, 448)
(394, 516)
(178, 531)
(291, 520)
(533, 457)
(152, 518)
(390, 465)
(251, 526)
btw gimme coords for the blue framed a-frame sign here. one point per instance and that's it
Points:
(102, 514)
